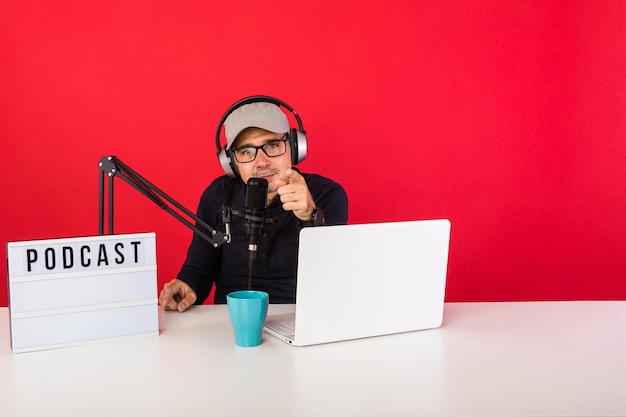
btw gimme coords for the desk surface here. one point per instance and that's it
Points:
(540, 359)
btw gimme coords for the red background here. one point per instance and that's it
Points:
(508, 118)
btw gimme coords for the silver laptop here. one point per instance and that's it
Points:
(364, 280)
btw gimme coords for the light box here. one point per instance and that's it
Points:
(67, 292)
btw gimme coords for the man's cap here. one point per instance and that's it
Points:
(267, 116)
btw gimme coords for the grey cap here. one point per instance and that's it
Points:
(267, 116)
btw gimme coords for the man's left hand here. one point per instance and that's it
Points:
(295, 195)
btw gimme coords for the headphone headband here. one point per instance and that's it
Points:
(250, 100)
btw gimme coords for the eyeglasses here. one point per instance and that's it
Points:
(275, 147)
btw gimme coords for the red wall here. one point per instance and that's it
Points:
(508, 118)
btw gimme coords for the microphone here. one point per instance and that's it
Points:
(255, 213)
(254, 217)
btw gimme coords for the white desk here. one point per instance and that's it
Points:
(488, 359)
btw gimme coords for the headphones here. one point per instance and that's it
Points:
(296, 137)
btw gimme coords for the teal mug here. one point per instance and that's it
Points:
(248, 311)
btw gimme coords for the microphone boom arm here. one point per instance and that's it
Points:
(111, 167)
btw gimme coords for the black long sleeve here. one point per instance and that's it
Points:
(275, 266)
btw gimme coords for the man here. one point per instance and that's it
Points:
(259, 145)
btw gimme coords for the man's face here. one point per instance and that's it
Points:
(263, 166)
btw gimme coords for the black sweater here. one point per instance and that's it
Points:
(274, 270)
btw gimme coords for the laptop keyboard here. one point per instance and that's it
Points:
(283, 327)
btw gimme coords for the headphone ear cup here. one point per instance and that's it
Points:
(297, 140)
(229, 167)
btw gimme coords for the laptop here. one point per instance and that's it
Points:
(364, 280)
